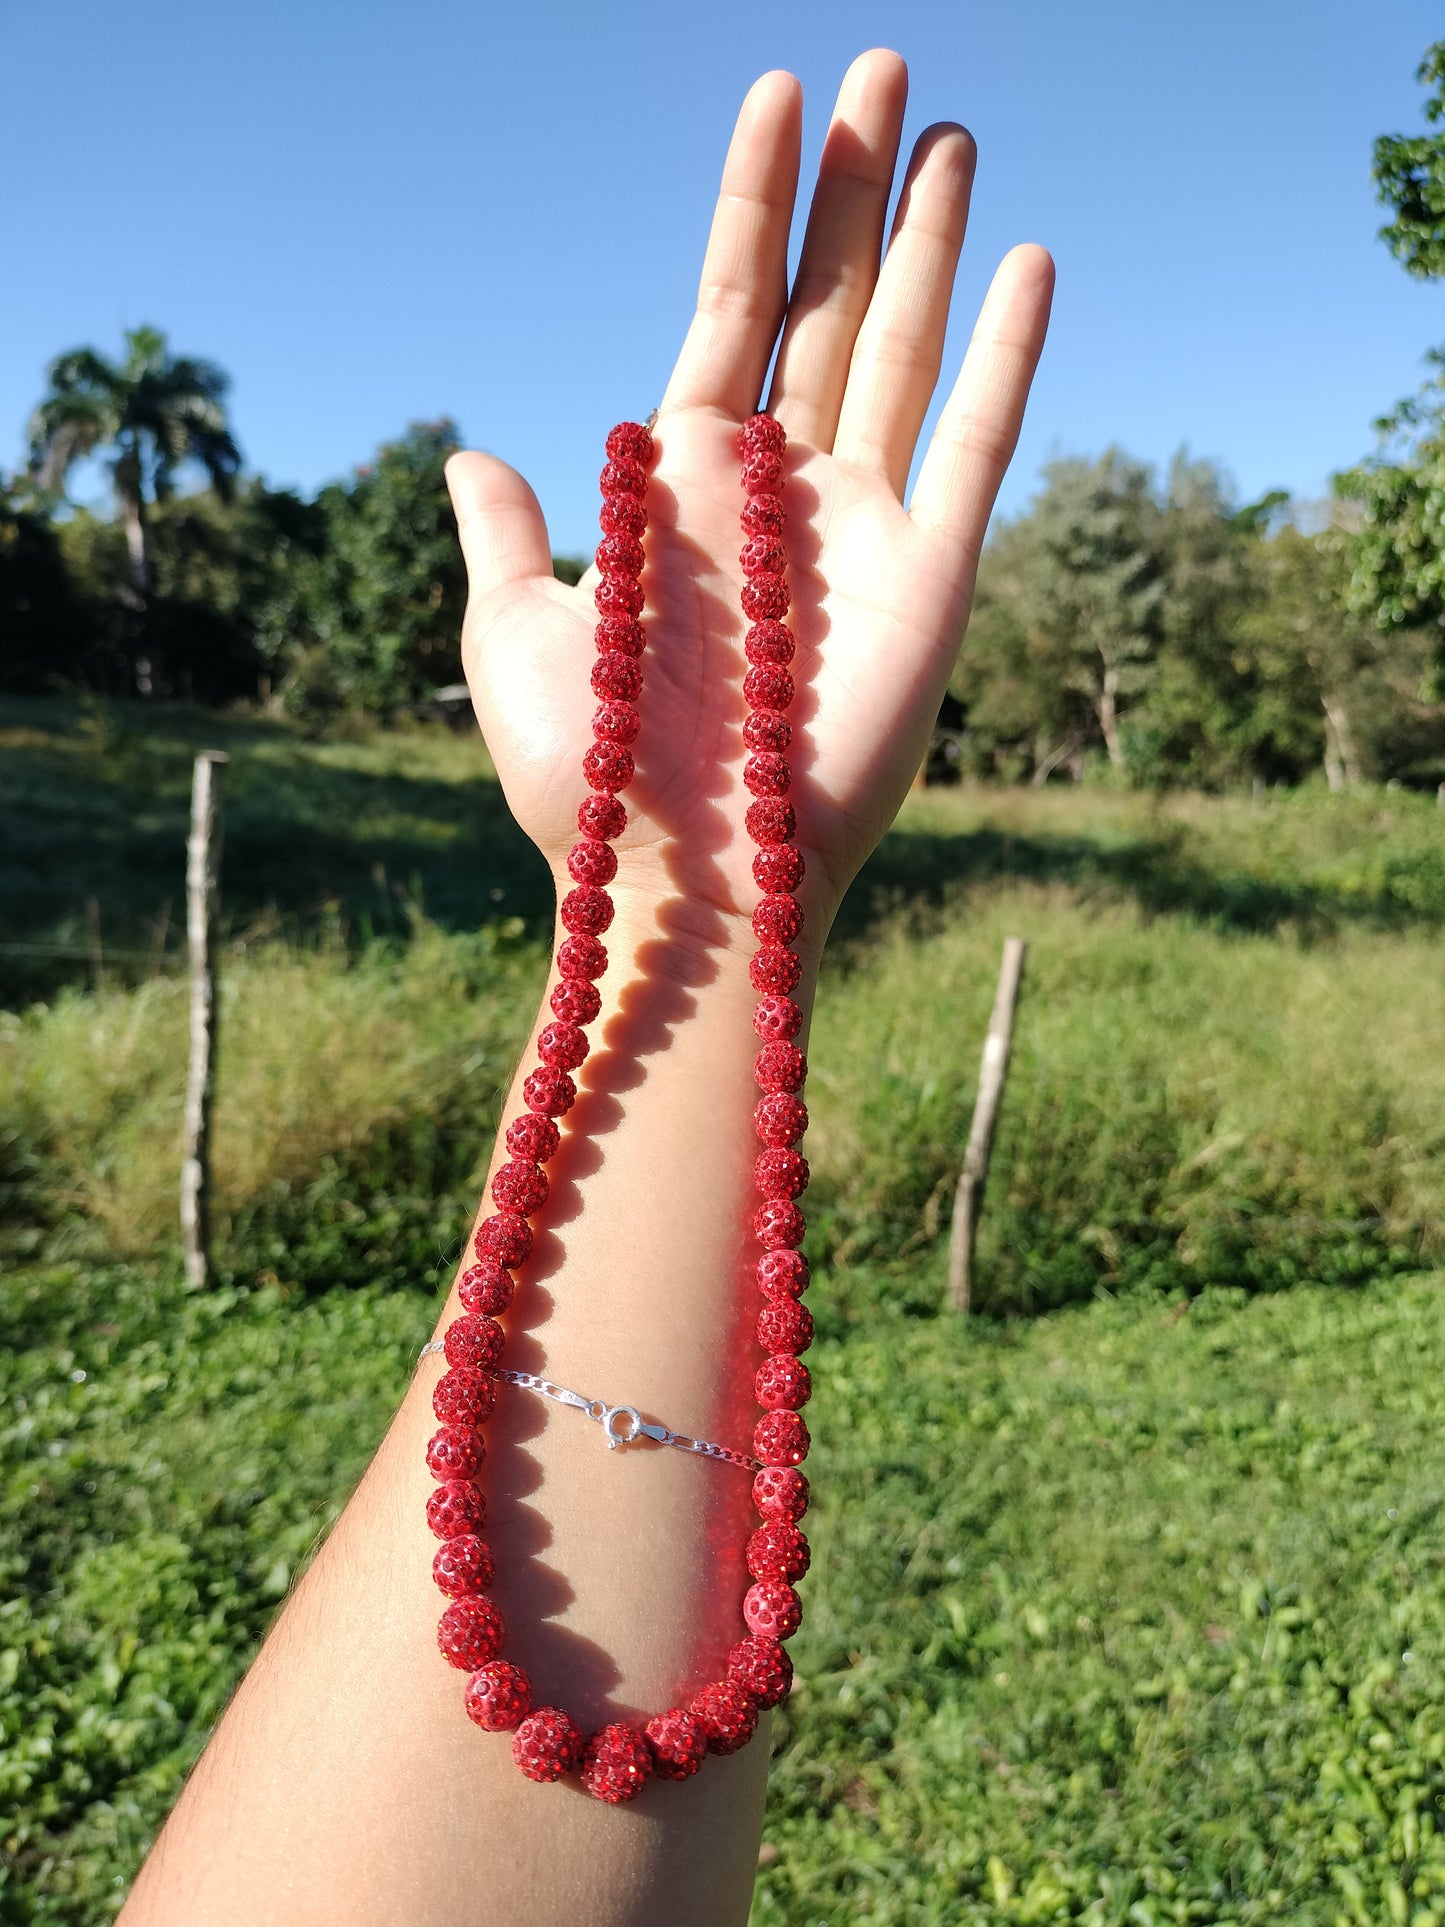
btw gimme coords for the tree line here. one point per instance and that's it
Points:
(1149, 626)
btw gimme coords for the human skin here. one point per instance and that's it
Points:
(345, 1785)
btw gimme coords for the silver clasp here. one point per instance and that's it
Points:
(608, 1417)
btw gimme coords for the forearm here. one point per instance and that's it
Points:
(346, 1784)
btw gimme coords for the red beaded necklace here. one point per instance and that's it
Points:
(546, 1742)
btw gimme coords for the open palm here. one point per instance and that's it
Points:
(880, 592)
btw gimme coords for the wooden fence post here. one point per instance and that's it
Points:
(203, 862)
(993, 1067)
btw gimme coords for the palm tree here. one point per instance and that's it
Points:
(155, 409)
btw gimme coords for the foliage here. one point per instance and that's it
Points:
(1409, 174)
(42, 617)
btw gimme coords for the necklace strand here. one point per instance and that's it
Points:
(546, 1742)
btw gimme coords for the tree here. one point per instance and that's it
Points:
(156, 411)
(1409, 174)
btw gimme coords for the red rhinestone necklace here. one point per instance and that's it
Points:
(546, 1742)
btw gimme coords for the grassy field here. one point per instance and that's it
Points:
(1128, 1610)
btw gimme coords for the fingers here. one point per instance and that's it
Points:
(899, 348)
(979, 428)
(500, 523)
(744, 286)
(839, 263)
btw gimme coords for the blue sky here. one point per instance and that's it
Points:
(375, 213)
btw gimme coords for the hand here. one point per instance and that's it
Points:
(880, 593)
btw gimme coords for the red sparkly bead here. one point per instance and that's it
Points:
(618, 595)
(549, 1091)
(615, 723)
(603, 817)
(547, 1744)
(471, 1632)
(617, 678)
(775, 969)
(762, 431)
(782, 1383)
(785, 1326)
(776, 1019)
(769, 642)
(586, 911)
(498, 1696)
(780, 1492)
(679, 1744)
(778, 1550)
(777, 919)
(608, 766)
(519, 1186)
(504, 1236)
(779, 1224)
(474, 1341)
(727, 1715)
(531, 1136)
(763, 555)
(766, 729)
(564, 1046)
(782, 1274)
(780, 1067)
(623, 634)
(622, 515)
(765, 599)
(762, 1668)
(765, 686)
(763, 515)
(771, 820)
(620, 555)
(464, 1396)
(772, 1609)
(630, 441)
(623, 475)
(592, 861)
(762, 472)
(486, 1289)
(576, 1002)
(583, 958)
(617, 1764)
(767, 774)
(455, 1508)
(780, 1118)
(464, 1565)
(781, 1173)
(455, 1453)
(781, 1438)
(778, 869)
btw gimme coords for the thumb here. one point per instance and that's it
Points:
(499, 522)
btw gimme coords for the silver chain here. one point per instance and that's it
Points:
(623, 1424)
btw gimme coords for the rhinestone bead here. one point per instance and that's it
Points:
(785, 1326)
(766, 729)
(762, 1668)
(620, 555)
(618, 679)
(762, 472)
(777, 919)
(631, 441)
(562, 1045)
(679, 1744)
(763, 555)
(624, 634)
(763, 515)
(772, 1609)
(614, 723)
(471, 1632)
(549, 1091)
(780, 1118)
(780, 1067)
(608, 766)
(781, 1438)
(782, 1274)
(618, 595)
(455, 1508)
(463, 1565)
(592, 861)
(498, 1696)
(781, 1173)
(762, 432)
(575, 1001)
(769, 642)
(781, 1492)
(504, 1237)
(777, 1019)
(456, 1452)
(727, 1715)
(765, 686)
(779, 1223)
(587, 911)
(531, 1135)
(765, 598)
(623, 475)
(617, 1764)
(582, 957)
(603, 817)
(464, 1396)
(767, 774)
(474, 1341)
(486, 1289)
(520, 1186)
(771, 820)
(547, 1744)
(782, 1382)
(775, 970)
(622, 515)
(778, 1550)
(778, 869)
